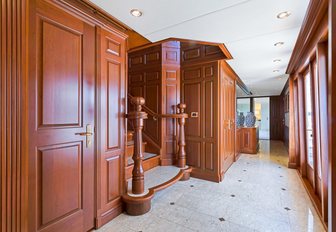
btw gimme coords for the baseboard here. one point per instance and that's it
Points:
(292, 165)
(109, 215)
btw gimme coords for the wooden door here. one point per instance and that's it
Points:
(276, 118)
(228, 99)
(61, 106)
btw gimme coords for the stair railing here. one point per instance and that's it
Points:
(136, 117)
(181, 116)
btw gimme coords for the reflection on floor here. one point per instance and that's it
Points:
(259, 193)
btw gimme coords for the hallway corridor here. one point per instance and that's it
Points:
(258, 193)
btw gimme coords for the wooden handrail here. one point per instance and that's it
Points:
(156, 116)
(181, 116)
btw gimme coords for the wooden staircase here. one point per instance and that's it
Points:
(150, 160)
(137, 199)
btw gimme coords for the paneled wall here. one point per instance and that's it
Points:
(208, 89)
(199, 85)
(154, 74)
(111, 94)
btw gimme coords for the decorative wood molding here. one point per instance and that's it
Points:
(221, 46)
(317, 10)
(13, 120)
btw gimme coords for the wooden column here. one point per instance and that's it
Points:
(137, 118)
(181, 155)
(13, 120)
(293, 162)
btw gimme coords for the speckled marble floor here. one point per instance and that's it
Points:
(259, 193)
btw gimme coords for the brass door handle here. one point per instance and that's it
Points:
(88, 133)
(84, 133)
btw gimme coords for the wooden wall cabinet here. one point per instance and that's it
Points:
(154, 74)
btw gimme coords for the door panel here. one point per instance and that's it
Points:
(276, 118)
(228, 99)
(61, 103)
(111, 125)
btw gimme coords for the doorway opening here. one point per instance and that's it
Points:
(262, 113)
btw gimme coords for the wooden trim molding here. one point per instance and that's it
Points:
(308, 33)
(13, 137)
(332, 116)
(221, 46)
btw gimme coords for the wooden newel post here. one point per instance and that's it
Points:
(181, 154)
(137, 118)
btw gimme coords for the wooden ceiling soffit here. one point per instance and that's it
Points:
(221, 46)
(316, 12)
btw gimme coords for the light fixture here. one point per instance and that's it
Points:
(276, 71)
(283, 15)
(278, 44)
(276, 60)
(136, 13)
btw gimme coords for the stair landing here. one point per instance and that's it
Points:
(156, 176)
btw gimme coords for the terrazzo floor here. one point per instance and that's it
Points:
(258, 193)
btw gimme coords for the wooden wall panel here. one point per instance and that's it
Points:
(276, 118)
(13, 127)
(110, 124)
(200, 94)
(227, 117)
(196, 53)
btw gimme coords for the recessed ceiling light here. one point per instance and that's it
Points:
(136, 13)
(278, 44)
(283, 15)
(276, 60)
(276, 71)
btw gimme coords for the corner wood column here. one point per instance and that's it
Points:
(137, 118)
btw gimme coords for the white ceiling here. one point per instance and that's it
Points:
(249, 29)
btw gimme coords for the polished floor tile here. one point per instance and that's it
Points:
(258, 193)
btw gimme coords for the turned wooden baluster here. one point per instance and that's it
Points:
(181, 154)
(137, 118)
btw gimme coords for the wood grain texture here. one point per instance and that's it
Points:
(276, 118)
(13, 127)
(208, 89)
(249, 140)
(61, 166)
(310, 52)
(111, 97)
(332, 115)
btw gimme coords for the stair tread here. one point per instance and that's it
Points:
(147, 155)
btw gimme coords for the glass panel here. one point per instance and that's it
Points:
(309, 121)
(261, 111)
(243, 105)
